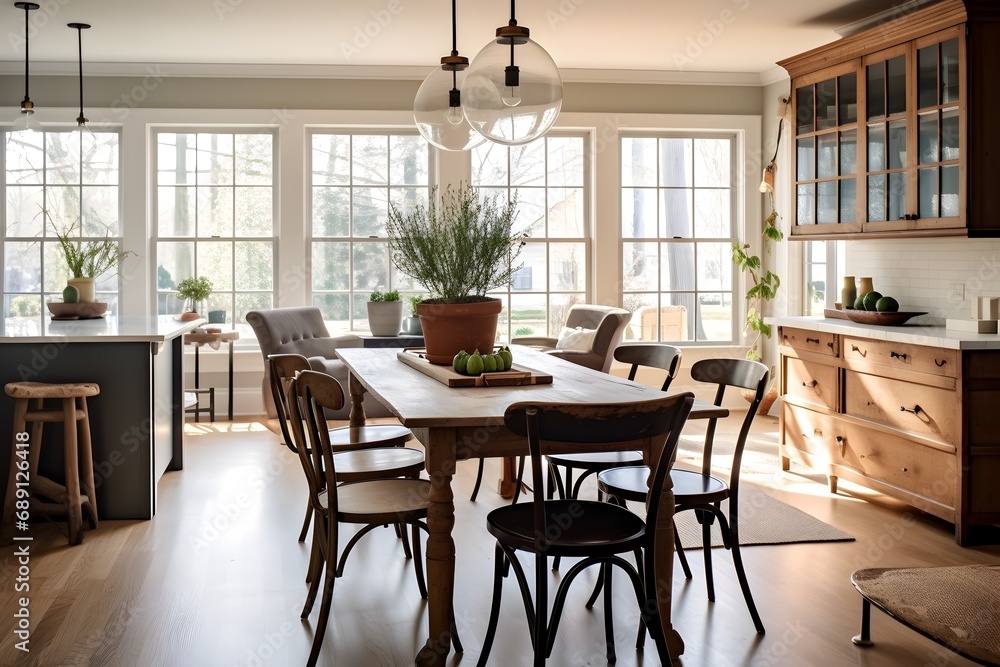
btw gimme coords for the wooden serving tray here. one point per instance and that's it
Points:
(518, 375)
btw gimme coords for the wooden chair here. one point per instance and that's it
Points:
(702, 491)
(371, 503)
(366, 452)
(596, 532)
(651, 355)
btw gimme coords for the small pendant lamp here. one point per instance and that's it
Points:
(81, 120)
(26, 121)
(513, 90)
(437, 108)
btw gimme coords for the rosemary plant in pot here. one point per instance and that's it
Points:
(193, 290)
(458, 248)
(89, 260)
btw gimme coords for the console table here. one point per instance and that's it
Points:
(214, 339)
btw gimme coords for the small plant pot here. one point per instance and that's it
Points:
(385, 317)
(216, 317)
(85, 286)
(411, 326)
(188, 316)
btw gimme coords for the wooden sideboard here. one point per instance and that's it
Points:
(916, 422)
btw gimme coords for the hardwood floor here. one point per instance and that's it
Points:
(217, 578)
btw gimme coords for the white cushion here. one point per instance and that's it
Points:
(576, 339)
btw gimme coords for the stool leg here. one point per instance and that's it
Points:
(20, 407)
(87, 461)
(71, 463)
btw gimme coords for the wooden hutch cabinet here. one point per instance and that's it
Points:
(895, 129)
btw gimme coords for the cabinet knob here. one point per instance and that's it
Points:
(897, 355)
(906, 470)
(813, 340)
(840, 438)
(915, 409)
(809, 384)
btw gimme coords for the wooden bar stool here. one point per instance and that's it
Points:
(77, 455)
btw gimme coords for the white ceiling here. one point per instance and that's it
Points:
(732, 36)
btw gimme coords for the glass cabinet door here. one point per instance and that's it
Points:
(826, 154)
(886, 129)
(938, 130)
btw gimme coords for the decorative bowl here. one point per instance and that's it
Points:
(875, 317)
(79, 311)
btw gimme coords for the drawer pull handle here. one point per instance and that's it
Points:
(915, 409)
(906, 470)
(809, 384)
(897, 355)
(840, 438)
(830, 345)
(863, 353)
(941, 363)
(812, 340)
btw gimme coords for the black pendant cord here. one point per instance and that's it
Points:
(79, 43)
(513, 16)
(27, 55)
(454, 29)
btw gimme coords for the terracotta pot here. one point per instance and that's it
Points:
(450, 327)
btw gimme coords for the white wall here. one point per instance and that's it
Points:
(920, 273)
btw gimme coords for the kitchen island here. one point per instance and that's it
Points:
(137, 421)
(910, 411)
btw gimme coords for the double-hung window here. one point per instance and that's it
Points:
(215, 212)
(678, 217)
(549, 179)
(355, 176)
(55, 182)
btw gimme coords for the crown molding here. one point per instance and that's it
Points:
(372, 72)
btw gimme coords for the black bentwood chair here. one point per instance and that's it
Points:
(596, 532)
(702, 491)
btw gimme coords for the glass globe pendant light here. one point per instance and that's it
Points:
(26, 121)
(437, 108)
(81, 120)
(513, 91)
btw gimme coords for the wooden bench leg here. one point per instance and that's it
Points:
(71, 462)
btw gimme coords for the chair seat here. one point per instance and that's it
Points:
(596, 461)
(382, 500)
(50, 390)
(377, 462)
(379, 435)
(575, 527)
(694, 486)
(625, 483)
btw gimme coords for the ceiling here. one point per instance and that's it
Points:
(641, 36)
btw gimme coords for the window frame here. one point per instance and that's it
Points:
(738, 222)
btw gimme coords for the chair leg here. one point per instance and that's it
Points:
(598, 587)
(520, 480)
(74, 508)
(865, 638)
(401, 531)
(541, 630)
(679, 548)
(86, 456)
(317, 562)
(609, 617)
(744, 584)
(499, 572)
(706, 548)
(324, 607)
(418, 561)
(479, 480)
(305, 522)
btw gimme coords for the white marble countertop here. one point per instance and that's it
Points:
(935, 336)
(127, 329)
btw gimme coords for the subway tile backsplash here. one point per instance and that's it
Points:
(922, 273)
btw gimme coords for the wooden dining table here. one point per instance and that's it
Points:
(456, 423)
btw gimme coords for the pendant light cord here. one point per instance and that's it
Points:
(454, 29)
(79, 43)
(513, 18)
(27, 8)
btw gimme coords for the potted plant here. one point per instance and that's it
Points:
(193, 290)
(89, 260)
(763, 287)
(459, 249)
(411, 323)
(385, 313)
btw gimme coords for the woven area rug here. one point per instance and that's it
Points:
(954, 606)
(763, 520)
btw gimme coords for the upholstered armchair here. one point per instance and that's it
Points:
(302, 331)
(589, 337)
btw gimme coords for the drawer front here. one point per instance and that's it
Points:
(811, 382)
(917, 468)
(902, 356)
(918, 408)
(812, 436)
(817, 342)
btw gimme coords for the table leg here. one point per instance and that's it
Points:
(230, 380)
(663, 567)
(357, 391)
(508, 479)
(439, 444)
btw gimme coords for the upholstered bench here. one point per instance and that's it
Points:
(955, 606)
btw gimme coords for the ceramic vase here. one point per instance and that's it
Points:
(85, 286)
(849, 293)
(865, 286)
